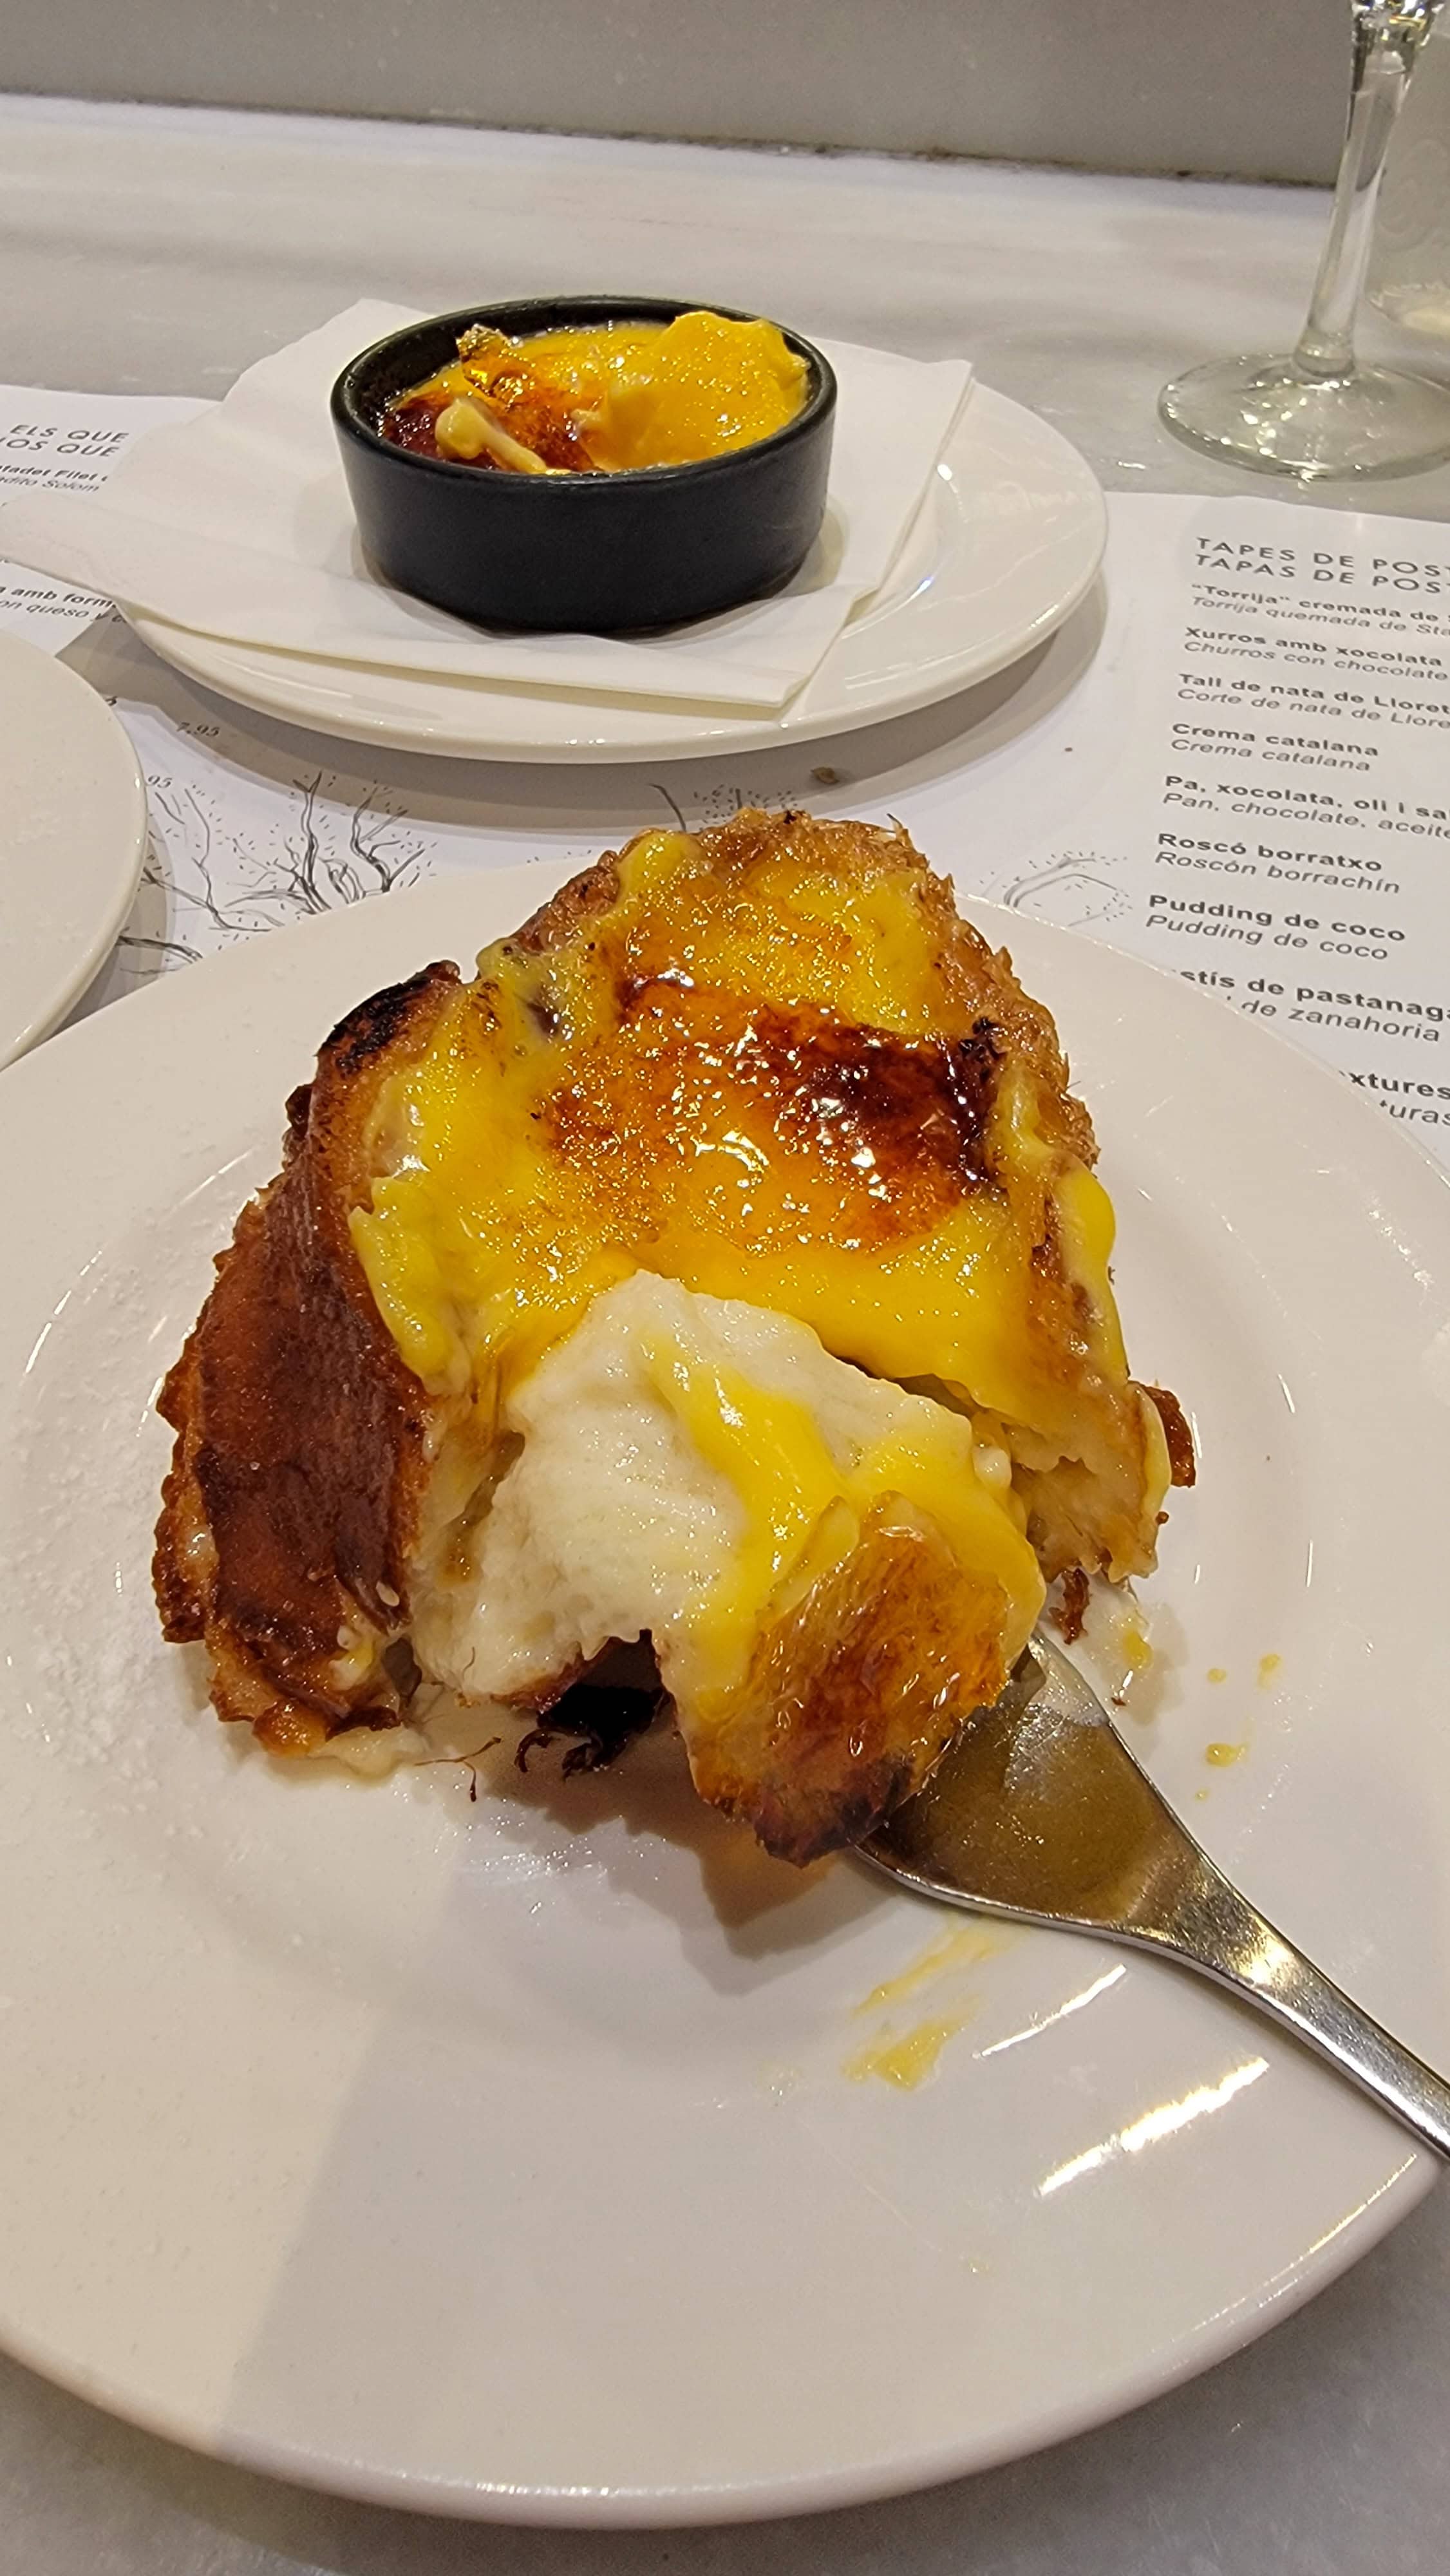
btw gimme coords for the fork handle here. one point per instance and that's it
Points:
(1212, 1927)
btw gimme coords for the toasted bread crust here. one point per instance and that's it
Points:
(584, 898)
(302, 1439)
(854, 1695)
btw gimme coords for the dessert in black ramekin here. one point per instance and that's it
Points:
(597, 552)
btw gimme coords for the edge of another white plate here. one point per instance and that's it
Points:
(101, 769)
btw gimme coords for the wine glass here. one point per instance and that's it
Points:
(1317, 412)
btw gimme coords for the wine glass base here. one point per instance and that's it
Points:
(1260, 412)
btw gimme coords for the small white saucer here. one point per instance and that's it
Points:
(1006, 543)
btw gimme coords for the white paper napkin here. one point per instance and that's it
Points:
(238, 524)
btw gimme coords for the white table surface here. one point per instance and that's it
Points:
(160, 250)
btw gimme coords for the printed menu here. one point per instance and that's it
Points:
(1260, 757)
(1233, 760)
(64, 442)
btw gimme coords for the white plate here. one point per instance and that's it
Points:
(72, 839)
(1008, 540)
(499, 2158)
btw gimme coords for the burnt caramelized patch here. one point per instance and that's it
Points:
(603, 1708)
(413, 424)
(1073, 1599)
(852, 1092)
(1182, 1465)
(819, 1121)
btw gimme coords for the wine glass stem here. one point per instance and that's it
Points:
(1388, 35)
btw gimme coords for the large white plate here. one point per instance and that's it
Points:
(1008, 540)
(72, 839)
(499, 2157)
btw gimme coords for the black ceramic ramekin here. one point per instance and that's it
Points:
(579, 551)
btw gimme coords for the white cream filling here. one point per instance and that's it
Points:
(610, 1522)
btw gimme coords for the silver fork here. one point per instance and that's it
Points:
(1040, 1812)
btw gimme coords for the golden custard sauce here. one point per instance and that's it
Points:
(604, 399)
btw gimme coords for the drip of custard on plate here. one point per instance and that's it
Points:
(610, 398)
(721, 1274)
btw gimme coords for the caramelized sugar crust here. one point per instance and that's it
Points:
(888, 1130)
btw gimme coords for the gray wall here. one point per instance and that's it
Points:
(1250, 88)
